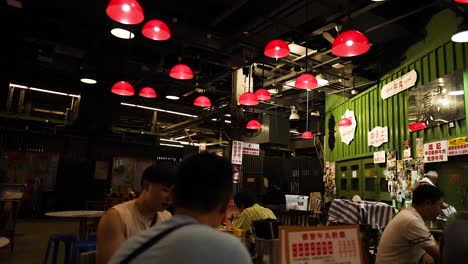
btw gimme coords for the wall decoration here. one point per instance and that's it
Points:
(330, 185)
(458, 146)
(379, 156)
(347, 132)
(436, 151)
(406, 150)
(377, 136)
(236, 157)
(391, 159)
(438, 102)
(406, 81)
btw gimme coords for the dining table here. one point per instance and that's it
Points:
(82, 215)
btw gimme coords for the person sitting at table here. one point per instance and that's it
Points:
(202, 192)
(130, 218)
(406, 239)
(250, 211)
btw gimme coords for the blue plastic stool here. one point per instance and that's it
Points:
(70, 248)
(92, 236)
(85, 246)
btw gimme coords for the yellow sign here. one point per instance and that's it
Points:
(250, 179)
(459, 141)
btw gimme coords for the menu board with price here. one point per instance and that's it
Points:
(236, 157)
(327, 244)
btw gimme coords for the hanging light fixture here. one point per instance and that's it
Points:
(254, 124)
(123, 88)
(248, 98)
(202, 101)
(147, 92)
(127, 12)
(277, 48)
(262, 93)
(156, 30)
(306, 80)
(294, 115)
(307, 134)
(462, 1)
(350, 43)
(181, 72)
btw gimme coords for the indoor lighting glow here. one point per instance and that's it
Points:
(307, 135)
(202, 101)
(459, 92)
(147, 92)
(263, 94)
(181, 137)
(462, 1)
(277, 48)
(253, 124)
(42, 90)
(122, 33)
(127, 12)
(172, 97)
(350, 43)
(88, 80)
(460, 36)
(181, 72)
(123, 88)
(159, 110)
(171, 145)
(156, 30)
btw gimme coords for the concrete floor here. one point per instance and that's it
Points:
(31, 239)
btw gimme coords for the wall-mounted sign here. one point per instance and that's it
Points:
(328, 244)
(377, 136)
(404, 82)
(379, 156)
(458, 146)
(236, 157)
(347, 132)
(407, 150)
(250, 148)
(436, 151)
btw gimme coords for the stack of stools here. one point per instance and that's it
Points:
(73, 248)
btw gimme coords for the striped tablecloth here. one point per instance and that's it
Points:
(376, 214)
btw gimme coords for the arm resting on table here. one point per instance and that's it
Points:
(110, 236)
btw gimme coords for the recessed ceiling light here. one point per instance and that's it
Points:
(88, 80)
(122, 33)
(459, 92)
(460, 37)
(172, 97)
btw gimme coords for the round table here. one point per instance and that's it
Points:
(82, 215)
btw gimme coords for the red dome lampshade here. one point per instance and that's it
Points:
(277, 48)
(307, 135)
(306, 81)
(157, 30)
(181, 72)
(148, 92)
(350, 43)
(127, 12)
(123, 88)
(248, 99)
(202, 101)
(344, 122)
(462, 1)
(263, 94)
(417, 126)
(253, 124)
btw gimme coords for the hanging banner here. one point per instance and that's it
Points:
(458, 146)
(377, 136)
(327, 244)
(347, 132)
(436, 151)
(379, 156)
(398, 85)
(236, 157)
(250, 148)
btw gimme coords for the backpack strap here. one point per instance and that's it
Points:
(142, 248)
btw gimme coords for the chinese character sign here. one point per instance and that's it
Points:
(347, 132)
(250, 149)
(377, 136)
(436, 151)
(458, 146)
(236, 157)
(404, 82)
(379, 156)
(331, 244)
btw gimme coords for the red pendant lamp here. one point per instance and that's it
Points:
(156, 30)
(277, 48)
(345, 122)
(462, 1)
(307, 134)
(123, 88)
(263, 94)
(254, 124)
(417, 126)
(306, 80)
(350, 43)
(147, 92)
(181, 72)
(202, 101)
(248, 98)
(127, 12)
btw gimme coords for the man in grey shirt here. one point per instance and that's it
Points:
(203, 189)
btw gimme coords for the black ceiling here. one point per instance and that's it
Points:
(51, 43)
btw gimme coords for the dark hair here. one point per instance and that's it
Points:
(243, 198)
(426, 192)
(203, 182)
(163, 173)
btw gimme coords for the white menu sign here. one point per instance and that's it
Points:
(404, 82)
(251, 149)
(379, 156)
(329, 244)
(236, 157)
(377, 136)
(347, 132)
(436, 151)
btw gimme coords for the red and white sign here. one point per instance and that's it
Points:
(236, 157)
(347, 132)
(328, 244)
(436, 151)
(379, 156)
(398, 85)
(377, 136)
(250, 149)
(458, 146)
